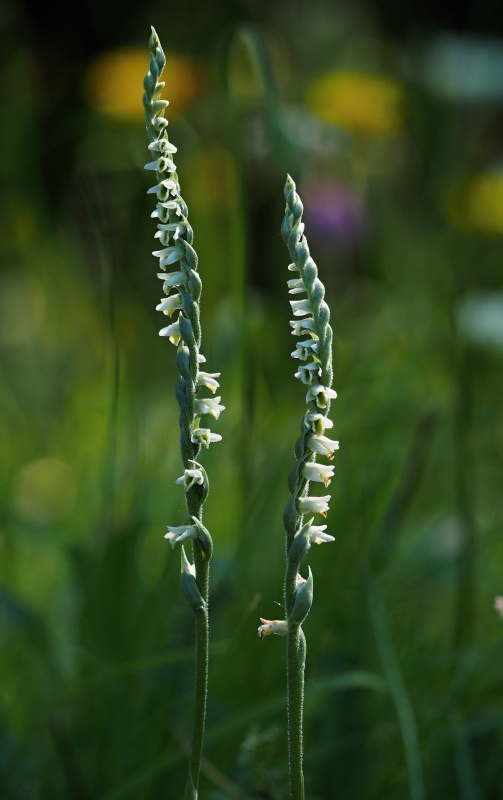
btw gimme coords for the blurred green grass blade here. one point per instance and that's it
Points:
(398, 689)
(358, 679)
(248, 36)
(462, 759)
(142, 665)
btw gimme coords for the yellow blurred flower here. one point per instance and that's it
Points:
(115, 83)
(366, 105)
(477, 205)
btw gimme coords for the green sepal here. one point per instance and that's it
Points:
(189, 585)
(186, 328)
(189, 305)
(300, 447)
(290, 514)
(183, 361)
(191, 310)
(149, 84)
(300, 545)
(185, 398)
(204, 539)
(303, 600)
(294, 477)
(201, 490)
(194, 284)
(301, 253)
(285, 230)
(154, 67)
(190, 255)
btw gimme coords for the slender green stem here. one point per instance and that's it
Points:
(182, 288)
(296, 663)
(201, 692)
(316, 374)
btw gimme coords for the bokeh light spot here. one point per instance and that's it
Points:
(115, 83)
(366, 105)
(477, 205)
(46, 490)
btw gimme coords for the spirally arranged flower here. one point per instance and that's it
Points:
(316, 371)
(182, 286)
(314, 352)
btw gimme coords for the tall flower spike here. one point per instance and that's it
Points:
(312, 321)
(182, 287)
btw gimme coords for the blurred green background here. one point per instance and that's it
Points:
(390, 119)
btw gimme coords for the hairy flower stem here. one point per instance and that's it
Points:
(316, 374)
(296, 665)
(182, 288)
(200, 698)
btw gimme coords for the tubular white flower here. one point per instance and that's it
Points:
(172, 279)
(164, 237)
(164, 189)
(169, 305)
(209, 405)
(321, 473)
(313, 505)
(168, 233)
(295, 286)
(323, 445)
(293, 268)
(300, 307)
(170, 205)
(175, 228)
(208, 379)
(308, 372)
(173, 332)
(270, 626)
(305, 349)
(160, 213)
(204, 437)
(168, 255)
(317, 422)
(320, 394)
(301, 325)
(161, 165)
(180, 533)
(189, 478)
(162, 146)
(317, 534)
(159, 123)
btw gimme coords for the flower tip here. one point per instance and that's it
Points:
(289, 184)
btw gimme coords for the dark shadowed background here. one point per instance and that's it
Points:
(390, 119)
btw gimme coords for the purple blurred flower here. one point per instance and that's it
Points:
(335, 211)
